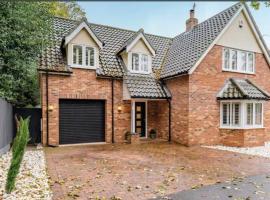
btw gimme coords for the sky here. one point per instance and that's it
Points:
(163, 18)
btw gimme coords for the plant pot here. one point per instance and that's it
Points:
(128, 137)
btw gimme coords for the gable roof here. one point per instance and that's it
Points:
(111, 64)
(241, 89)
(82, 25)
(134, 39)
(188, 47)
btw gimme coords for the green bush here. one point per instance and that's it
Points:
(18, 149)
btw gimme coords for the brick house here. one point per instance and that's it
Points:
(207, 85)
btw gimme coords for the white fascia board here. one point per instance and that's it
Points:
(256, 33)
(141, 36)
(69, 37)
(214, 42)
(254, 29)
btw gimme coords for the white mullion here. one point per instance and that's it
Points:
(254, 114)
(77, 56)
(132, 116)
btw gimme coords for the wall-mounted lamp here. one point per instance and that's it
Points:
(241, 23)
(119, 108)
(50, 108)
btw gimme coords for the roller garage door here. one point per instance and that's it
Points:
(81, 121)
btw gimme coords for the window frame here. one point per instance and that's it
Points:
(141, 70)
(242, 115)
(238, 62)
(83, 65)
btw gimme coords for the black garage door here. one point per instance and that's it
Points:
(81, 121)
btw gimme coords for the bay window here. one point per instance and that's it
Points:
(241, 114)
(140, 63)
(238, 61)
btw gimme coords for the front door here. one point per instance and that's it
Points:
(140, 118)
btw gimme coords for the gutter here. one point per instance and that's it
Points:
(112, 88)
(47, 109)
(170, 110)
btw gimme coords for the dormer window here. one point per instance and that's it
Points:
(89, 56)
(140, 63)
(77, 55)
(83, 56)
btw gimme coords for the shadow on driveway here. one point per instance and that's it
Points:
(250, 188)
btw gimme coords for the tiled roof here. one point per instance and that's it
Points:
(242, 89)
(188, 47)
(113, 39)
(131, 39)
(145, 86)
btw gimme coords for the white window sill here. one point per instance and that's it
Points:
(240, 72)
(139, 72)
(241, 128)
(83, 67)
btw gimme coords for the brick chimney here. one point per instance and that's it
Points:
(192, 21)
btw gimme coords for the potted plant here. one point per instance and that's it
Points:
(128, 136)
(153, 133)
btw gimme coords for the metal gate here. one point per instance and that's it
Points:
(35, 122)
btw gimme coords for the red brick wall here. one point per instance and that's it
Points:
(204, 84)
(83, 84)
(158, 117)
(179, 88)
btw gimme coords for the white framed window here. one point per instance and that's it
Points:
(140, 63)
(238, 61)
(77, 55)
(84, 56)
(241, 114)
(89, 56)
(231, 114)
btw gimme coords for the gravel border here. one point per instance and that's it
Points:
(32, 180)
(263, 151)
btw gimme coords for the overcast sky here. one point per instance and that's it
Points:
(163, 18)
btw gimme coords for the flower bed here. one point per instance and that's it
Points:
(32, 181)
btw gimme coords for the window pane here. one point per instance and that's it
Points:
(144, 63)
(135, 62)
(226, 114)
(249, 113)
(250, 62)
(89, 56)
(243, 61)
(77, 55)
(226, 58)
(234, 59)
(236, 114)
(258, 113)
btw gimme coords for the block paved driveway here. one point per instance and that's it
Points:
(142, 171)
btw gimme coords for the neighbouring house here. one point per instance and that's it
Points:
(207, 85)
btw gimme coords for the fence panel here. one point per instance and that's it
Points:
(35, 122)
(6, 126)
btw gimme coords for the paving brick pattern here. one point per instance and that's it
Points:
(142, 171)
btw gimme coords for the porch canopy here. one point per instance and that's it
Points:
(236, 88)
(144, 86)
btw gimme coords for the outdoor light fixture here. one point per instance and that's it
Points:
(240, 23)
(119, 108)
(50, 108)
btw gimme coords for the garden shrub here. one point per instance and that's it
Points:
(18, 150)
